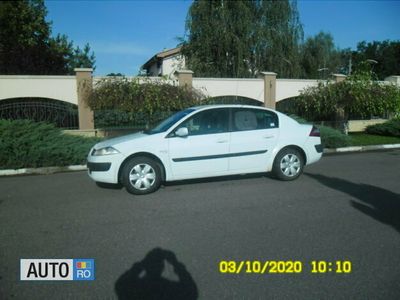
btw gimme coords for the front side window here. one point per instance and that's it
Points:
(167, 123)
(252, 119)
(208, 122)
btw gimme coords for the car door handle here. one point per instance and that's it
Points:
(222, 141)
(269, 136)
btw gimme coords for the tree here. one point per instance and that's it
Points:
(320, 57)
(218, 38)
(241, 38)
(26, 45)
(383, 57)
(277, 38)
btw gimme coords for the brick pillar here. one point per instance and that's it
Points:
(338, 77)
(84, 85)
(185, 77)
(269, 89)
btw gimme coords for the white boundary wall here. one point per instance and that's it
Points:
(288, 88)
(65, 87)
(55, 87)
(214, 87)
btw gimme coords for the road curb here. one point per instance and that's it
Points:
(361, 148)
(42, 171)
(52, 170)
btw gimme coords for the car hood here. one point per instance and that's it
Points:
(119, 140)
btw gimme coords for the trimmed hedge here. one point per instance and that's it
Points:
(138, 100)
(389, 128)
(330, 138)
(29, 144)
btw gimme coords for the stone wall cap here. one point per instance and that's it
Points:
(83, 69)
(268, 73)
(183, 72)
(339, 75)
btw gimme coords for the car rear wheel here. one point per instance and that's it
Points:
(141, 175)
(288, 164)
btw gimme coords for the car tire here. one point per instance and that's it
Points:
(141, 175)
(288, 164)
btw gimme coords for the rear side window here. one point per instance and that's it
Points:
(208, 122)
(253, 119)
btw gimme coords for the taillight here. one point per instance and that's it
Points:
(315, 131)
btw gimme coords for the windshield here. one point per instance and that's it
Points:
(167, 123)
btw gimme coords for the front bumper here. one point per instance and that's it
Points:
(104, 168)
(98, 167)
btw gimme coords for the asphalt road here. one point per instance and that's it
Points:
(344, 208)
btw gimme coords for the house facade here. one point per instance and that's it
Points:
(165, 63)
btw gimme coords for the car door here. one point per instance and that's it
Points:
(254, 135)
(205, 150)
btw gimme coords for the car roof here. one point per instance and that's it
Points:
(200, 107)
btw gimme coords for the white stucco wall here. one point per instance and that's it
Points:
(55, 87)
(287, 88)
(393, 79)
(64, 87)
(214, 87)
(172, 64)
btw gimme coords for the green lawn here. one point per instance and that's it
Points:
(364, 139)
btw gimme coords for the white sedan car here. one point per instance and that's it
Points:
(207, 141)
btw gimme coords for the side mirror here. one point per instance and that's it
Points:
(182, 132)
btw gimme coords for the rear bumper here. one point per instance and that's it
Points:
(319, 148)
(314, 149)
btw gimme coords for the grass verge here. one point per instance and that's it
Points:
(364, 139)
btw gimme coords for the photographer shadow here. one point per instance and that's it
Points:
(144, 279)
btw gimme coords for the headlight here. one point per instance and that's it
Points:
(104, 151)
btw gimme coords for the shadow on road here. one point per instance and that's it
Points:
(144, 279)
(218, 179)
(118, 186)
(111, 186)
(378, 203)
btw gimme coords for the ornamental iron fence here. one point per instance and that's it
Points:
(60, 113)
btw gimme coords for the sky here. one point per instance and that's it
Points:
(125, 34)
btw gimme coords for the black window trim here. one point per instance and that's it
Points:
(171, 134)
(231, 127)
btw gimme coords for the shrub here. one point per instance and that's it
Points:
(25, 144)
(359, 96)
(139, 96)
(390, 128)
(330, 138)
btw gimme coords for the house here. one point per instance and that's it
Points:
(165, 63)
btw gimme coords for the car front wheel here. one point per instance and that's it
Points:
(141, 175)
(288, 164)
